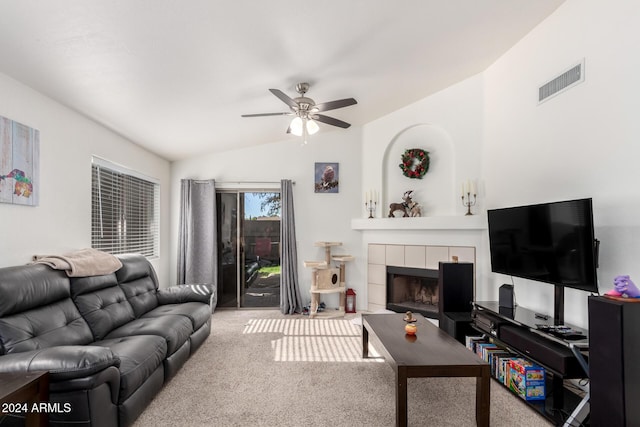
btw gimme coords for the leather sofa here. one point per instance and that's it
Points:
(109, 342)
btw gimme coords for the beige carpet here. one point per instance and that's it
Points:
(260, 368)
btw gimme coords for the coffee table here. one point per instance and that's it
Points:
(22, 389)
(433, 353)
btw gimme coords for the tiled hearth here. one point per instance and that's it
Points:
(380, 255)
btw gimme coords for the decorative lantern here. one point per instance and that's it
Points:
(350, 306)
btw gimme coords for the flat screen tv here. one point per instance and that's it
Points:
(548, 242)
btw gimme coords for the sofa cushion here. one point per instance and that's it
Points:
(141, 294)
(55, 324)
(135, 266)
(139, 283)
(102, 303)
(139, 357)
(29, 286)
(36, 311)
(174, 329)
(197, 312)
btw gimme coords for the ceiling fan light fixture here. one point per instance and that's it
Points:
(304, 110)
(296, 126)
(312, 127)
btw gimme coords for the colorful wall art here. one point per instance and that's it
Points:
(19, 163)
(327, 178)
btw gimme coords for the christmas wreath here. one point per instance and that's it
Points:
(415, 163)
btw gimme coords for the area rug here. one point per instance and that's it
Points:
(261, 368)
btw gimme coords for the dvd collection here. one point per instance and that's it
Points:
(518, 374)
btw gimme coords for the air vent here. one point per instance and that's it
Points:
(564, 81)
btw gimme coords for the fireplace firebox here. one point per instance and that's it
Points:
(430, 292)
(413, 289)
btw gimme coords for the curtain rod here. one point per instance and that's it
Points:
(202, 181)
(249, 182)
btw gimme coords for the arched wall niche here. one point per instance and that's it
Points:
(435, 192)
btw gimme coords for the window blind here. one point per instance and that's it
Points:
(125, 211)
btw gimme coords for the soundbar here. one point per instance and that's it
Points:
(554, 356)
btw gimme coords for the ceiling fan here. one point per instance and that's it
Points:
(306, 111)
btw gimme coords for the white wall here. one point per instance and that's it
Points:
(448, 124)
(319, 217)
(583, 143)
(62, 221)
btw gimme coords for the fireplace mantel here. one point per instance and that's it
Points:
(460, 222)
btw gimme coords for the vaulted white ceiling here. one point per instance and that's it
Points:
(174, 76)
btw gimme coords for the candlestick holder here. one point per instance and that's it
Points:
(371, 207)
(468, 203)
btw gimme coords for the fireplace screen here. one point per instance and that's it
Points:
(413, 289)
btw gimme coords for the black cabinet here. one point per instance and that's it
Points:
(455, 286)
(457, 324)
(614, 362)
(455, 292)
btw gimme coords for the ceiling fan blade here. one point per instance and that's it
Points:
(284, 98)
(267, 114)
(330, 121)
(332, 105)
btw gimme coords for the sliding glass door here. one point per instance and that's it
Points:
(249, 248)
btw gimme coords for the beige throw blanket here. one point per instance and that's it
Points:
(81, 263)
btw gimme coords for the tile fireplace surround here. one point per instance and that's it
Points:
(380, 255)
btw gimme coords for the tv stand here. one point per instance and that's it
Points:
(540, 340)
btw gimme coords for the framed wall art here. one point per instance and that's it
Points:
(327, 178)
(19, 163)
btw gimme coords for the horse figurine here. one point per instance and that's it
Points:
(404, 206)
(414, 209)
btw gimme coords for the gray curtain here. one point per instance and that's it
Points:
(197, 239)
(290, 300)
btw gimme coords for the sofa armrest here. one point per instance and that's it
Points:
(188, 293)
(109, 375)
(63, 362)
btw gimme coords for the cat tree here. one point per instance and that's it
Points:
(327, 280)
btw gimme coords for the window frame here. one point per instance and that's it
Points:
(130, 187)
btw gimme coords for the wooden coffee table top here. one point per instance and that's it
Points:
(13, 384)
(25, 389)
(431, 347)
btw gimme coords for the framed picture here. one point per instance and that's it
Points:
(19, 163)
(327, 178)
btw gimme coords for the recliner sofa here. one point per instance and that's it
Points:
(109, 342)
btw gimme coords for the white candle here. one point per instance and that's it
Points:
(366, 196)
(473, 187)
(462, 189)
